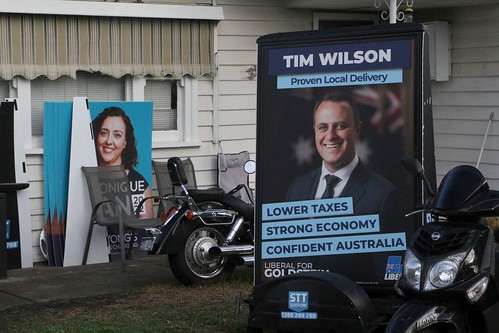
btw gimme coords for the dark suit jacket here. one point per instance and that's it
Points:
(370, 192)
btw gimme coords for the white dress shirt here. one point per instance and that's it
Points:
(343, 174)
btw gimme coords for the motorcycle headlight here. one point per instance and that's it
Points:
(412, 269)
(444, 272)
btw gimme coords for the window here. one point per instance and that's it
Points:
(94, 86)
(175, 115)
(175, 119)
(163, 93)
(167, 41)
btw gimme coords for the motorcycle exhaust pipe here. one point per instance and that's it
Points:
(244, 260)
(231, 250)
(249, 260)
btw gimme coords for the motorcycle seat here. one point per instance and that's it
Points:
(219, 195)
(241, 206)
(210, 194)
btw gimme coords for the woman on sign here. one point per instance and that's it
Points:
(115, 144)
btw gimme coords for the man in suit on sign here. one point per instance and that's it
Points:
(342, 174)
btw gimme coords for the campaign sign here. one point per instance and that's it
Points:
(336, 112)
(123, 135)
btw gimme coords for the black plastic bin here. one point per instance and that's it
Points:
(3, 236)
(5, 190)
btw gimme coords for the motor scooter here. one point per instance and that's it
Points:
(449, 281)
(207, 232)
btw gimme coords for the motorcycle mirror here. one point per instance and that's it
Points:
(250, 167)
(415, 168)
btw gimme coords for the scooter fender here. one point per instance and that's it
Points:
(418, 314)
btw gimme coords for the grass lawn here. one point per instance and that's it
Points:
(158, 308)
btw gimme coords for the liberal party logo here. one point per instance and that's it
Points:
(393, 268)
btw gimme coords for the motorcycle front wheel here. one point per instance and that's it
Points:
(193, 265)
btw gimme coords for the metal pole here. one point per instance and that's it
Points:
(393, 11)
(484, 139)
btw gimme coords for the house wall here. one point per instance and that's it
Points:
(226, 103)
(462, 105)
(232, 108)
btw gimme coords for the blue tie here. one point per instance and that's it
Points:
(331, 182)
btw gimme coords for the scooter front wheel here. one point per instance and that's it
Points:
(193, 265)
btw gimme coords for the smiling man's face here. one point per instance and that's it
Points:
(335, 134)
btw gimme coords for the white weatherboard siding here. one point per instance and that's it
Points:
(462, 105)
(35, 176)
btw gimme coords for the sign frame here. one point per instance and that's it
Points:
(305, 59)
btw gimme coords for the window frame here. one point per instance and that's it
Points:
(186, 134)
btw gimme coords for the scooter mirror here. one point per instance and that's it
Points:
(415, 168)
(250, 167)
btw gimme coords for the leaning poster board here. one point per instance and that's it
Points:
(75, 136)
(361, 232)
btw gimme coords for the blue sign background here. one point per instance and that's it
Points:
(400, 57)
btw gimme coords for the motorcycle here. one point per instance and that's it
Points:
(207, 232)
(449, 281)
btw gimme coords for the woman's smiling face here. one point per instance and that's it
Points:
(111, 141)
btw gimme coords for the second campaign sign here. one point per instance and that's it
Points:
(337, 110)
